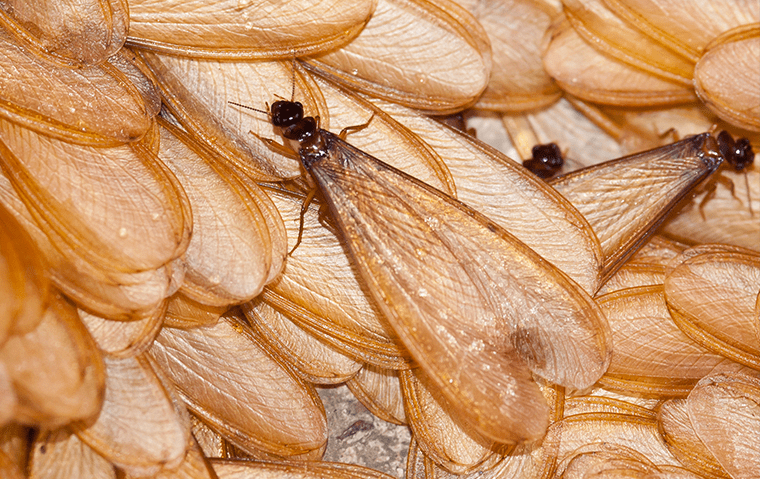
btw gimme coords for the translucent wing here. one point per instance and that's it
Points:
(477, 308)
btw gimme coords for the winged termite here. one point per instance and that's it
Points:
(478, 310)
(655, 182)
(497, 186)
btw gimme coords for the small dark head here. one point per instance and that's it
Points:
(737, 153)
(548, 154)
(286, 113)
(547, 160)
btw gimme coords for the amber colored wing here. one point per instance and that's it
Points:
(478, 310)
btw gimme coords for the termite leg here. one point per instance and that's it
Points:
(276, 147)
(749, 199)
(711, 187)
(672, 134)
(728, 183)
(304, 208)
(353, 129)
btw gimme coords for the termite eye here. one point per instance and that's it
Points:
(285, 113)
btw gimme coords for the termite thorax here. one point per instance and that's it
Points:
(710, 152)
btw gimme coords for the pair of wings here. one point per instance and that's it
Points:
(478, 310)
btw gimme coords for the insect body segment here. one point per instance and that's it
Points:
(737, 153)
(546, 162)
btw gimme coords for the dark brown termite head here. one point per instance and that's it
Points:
(286, 113)
(546, 162)
(737, 153)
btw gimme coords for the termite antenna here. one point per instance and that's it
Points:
(251, 108)
(293, 79)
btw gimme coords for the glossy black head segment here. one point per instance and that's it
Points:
(286, 113)
(737, 153)
(547, 160)
(548, 154)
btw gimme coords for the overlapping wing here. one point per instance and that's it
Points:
(478, 310)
